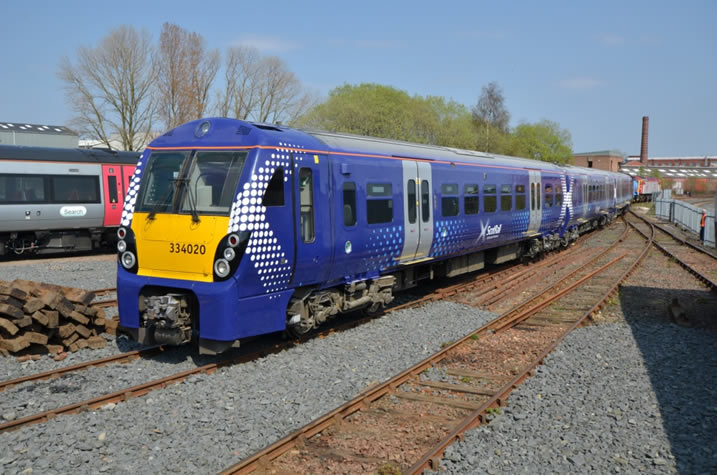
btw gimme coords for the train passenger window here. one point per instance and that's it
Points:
(449, 204)
(22, 189)
(350, 203)
(425, 201)
(274, 194)
(548, 196)
(559, 198)
(470, 202)
(490, 203)
(379, 203)
(306, 204)
(75, 189)
(411, 204)
(519, 197)
(112, 187)
(506, 197)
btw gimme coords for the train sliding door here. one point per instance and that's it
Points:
(417, 211)
(536, 212)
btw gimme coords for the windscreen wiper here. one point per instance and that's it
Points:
(184, 182)
(163, 202)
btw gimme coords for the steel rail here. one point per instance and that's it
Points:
(706, 280)
(430, 459)
(55, 373)
(263, 457)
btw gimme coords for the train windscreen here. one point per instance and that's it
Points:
(203, 182)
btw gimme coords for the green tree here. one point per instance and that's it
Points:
(387, 112)
(544, 140)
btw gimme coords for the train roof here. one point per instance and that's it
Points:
(79, 155)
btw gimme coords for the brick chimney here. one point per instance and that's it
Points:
(643, 148)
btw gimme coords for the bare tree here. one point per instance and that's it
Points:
(185, 75)
(110, 88)
(491, 117)
(261, 88)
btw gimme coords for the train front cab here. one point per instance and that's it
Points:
(187, 250)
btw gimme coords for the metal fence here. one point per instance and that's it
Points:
(686, 216)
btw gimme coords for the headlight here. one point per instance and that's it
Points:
(221, 267)
(121, 246)
(229, 254)
(121, 233)
(128, 260)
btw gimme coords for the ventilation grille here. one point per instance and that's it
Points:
(243, 130)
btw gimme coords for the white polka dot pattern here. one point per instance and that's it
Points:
(130, 198)
(247, 214)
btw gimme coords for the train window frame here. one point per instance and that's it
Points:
(348, 189)
(412, 201)
(506, 197)
(202, 174)
(520, 197)
(548, 200)
(274, 194)
(20, 196)
(490, 199)
(379, 203)
(79, 193)
(471, 199)
(449, 204)
(425, 201)
(112, 188)
(307, 227)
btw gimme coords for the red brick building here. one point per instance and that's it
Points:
(609, 160)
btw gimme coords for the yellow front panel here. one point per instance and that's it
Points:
(174, 247)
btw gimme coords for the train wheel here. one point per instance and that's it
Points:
(373, 310)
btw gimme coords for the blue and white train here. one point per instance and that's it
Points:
(232, 229)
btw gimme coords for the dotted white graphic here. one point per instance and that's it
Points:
(248, 214)
(130, 198)
(567, 206)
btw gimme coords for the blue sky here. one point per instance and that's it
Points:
(594, 67)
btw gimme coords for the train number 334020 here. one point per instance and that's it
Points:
(177, 248)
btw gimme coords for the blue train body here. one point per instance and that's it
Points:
(318, 224)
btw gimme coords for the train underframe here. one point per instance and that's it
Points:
(55, 242)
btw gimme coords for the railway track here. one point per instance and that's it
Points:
(405, 424)
(698, 261)
(483, 284)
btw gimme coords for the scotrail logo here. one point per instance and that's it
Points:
(489, 232)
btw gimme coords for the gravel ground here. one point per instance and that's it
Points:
(211, 421)
(635, 394)
(89, 273)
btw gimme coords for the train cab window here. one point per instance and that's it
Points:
(112, 187)
(349, 191)
(411, 201)
(548, 196)
(274, 194)
(22, 189)
(306, 204)
(506, 197)
(212, 182)
(449, 204)
(425, 201)
(379, 203)
(75, 189)
(519, 197)
(159, 181)
(470, 201)
(490, 203)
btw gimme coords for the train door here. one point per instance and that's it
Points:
(313, 220)
(536, 212)
(112, 177)
(417, 211)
